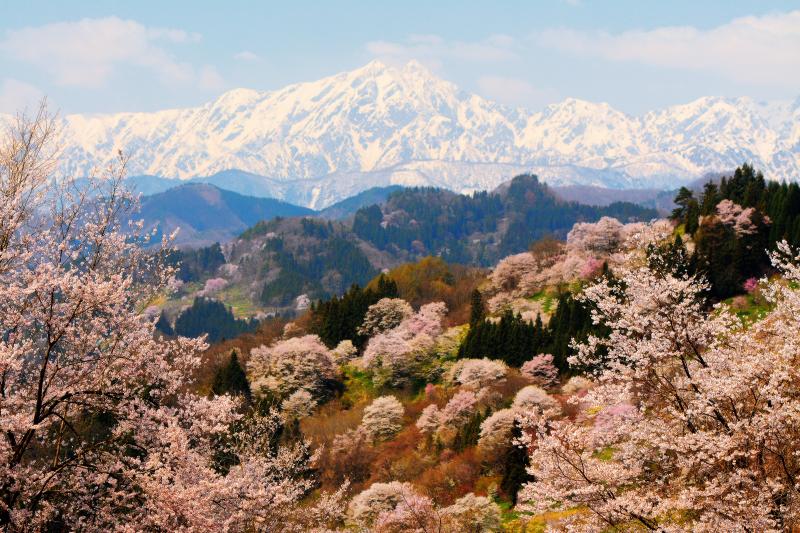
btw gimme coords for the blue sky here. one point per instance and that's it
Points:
(635, 55)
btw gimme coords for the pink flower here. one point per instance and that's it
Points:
(750, 285)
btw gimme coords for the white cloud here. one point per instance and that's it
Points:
(247, 56)
(210, 79)
(514, 91)
(16, 95)
(433, 50)
(755, 50)
(86, 53)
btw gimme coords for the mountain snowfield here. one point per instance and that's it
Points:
(319, 142)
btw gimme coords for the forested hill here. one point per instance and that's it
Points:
(274, 262)
(478, 229)
(205, 213)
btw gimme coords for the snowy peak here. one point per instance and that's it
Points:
(317, 142)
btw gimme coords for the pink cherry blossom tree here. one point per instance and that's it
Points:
(291, 364)
(708, 440)
(603, 236)
(541, 371)
(476, 374)
(459, 409)
(408, 350)
(385, 314)
(383, 418)
(99, 429)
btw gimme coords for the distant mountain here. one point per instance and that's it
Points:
(349, 206)
(277, 260)
(478, 229)
(206, 214)
(317, 143)
(660, 200)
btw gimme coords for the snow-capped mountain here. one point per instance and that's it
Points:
(318, 142)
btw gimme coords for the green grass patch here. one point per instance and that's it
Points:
(545, 298)
(358, 386)
(507, 512)
(748, 308)
(235, 297)
(605, 454)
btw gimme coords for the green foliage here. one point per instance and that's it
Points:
(511, 339)
(727, 259)
(231, 379)
(514, 340)
(428, 221)
(164, 326)
(515, 465)
(470, 432)
(477, 311)
(207, 316)
(338, 319)
(194, 265)
(303, 272)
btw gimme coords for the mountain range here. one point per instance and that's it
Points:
(205, 214)
(316, 143)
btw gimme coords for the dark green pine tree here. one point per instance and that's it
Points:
(711, 198)
(477, 310)
(164, 326)
(231, 379)
(468, 434)
(515, 467)
(682, 200)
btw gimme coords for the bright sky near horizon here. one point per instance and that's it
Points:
(108, 56)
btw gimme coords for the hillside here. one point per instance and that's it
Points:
(319, 142)
(206, 214)
(476, 408)
(481, 228)
(269, 265)
(348, 207)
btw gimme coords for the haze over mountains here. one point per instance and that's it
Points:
(316, 143)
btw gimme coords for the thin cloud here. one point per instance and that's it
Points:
(247, 56)
(86, 53)
(761, 50)
(514, 91)
(432, 50)
(16, 95)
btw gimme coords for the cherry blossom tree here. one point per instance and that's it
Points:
(99, 429)
(472, 513)
(732, 214)
(385, 314)
(291, 364)
(412, 514)
(213, 286)
(382, 418)
(298, 404)
(459, 409)
(576, 385)
(603, 236)
(344, 352)
(407, 351)
(532, 399)
(476, 374)
(541, 371)
(496, 431)
(709, 439)
(379, 498)
(429, 420)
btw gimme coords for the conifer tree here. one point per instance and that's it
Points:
(515, 467)
(231, 379)
(477, 310)
(164, 326)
